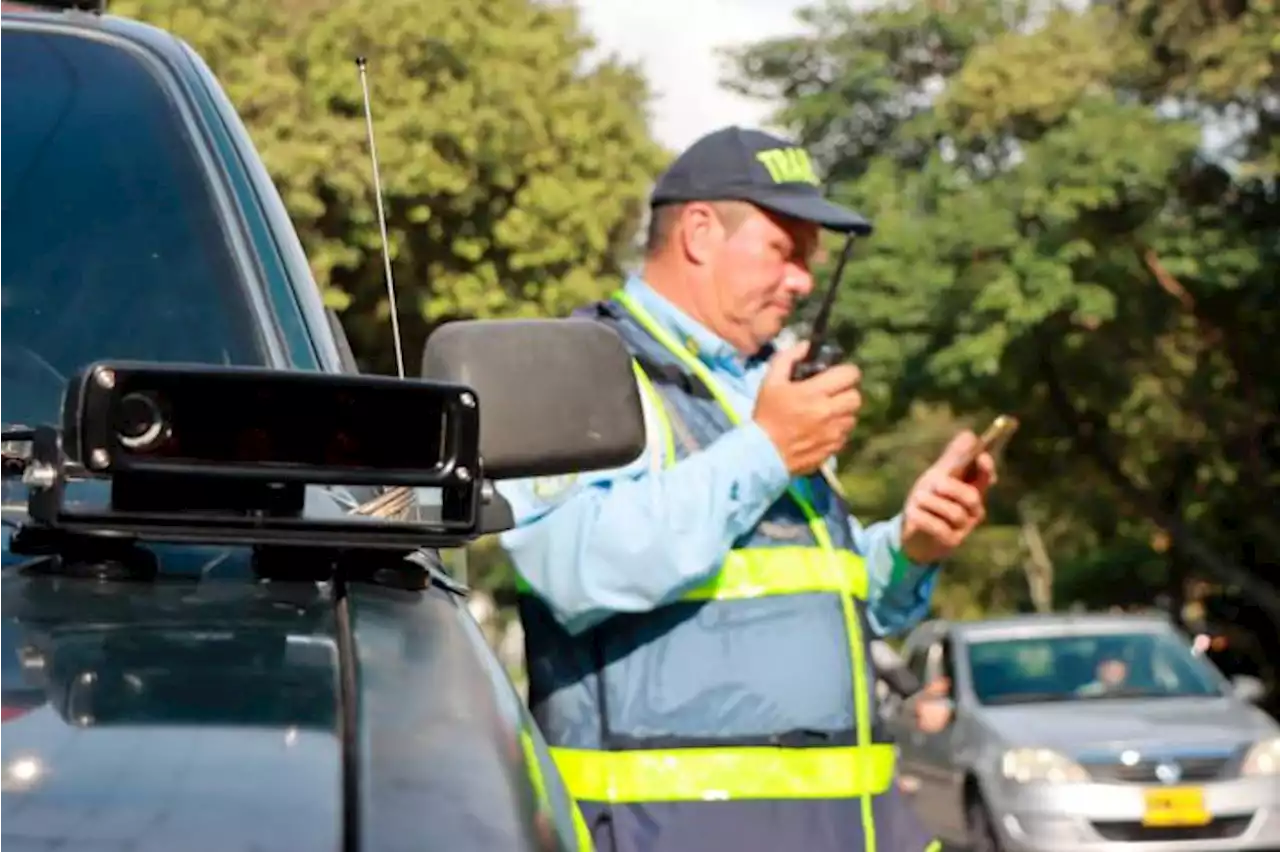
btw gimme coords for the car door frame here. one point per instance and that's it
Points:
(902, 724)
(931, 758)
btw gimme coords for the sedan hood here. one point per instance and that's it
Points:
(169, 715)
(1076, 726)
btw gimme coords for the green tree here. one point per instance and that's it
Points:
(1077, 222)
(515, 171)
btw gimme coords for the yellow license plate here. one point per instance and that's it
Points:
(1168, 807)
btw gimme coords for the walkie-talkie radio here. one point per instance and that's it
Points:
(821, 354)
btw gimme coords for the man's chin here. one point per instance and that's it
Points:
(779, 336)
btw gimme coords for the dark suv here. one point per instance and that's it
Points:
(197, 691)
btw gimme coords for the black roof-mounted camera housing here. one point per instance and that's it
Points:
(204, 454)
(224, 454)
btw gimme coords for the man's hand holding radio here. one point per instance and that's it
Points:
(808, 421)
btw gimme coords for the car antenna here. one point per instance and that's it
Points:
(362, 64)
(394, 502)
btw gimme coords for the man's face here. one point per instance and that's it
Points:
(1112, 671)
(758, 269)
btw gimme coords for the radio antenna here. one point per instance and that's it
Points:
(818, 333)
(821, 354)
(361, 63)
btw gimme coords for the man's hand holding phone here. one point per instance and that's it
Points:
(948, 501)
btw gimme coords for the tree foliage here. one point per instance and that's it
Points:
(1078, 222)
(515, 171)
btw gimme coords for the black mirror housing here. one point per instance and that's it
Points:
(556, 396)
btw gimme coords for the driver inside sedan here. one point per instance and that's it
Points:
(1111, 672)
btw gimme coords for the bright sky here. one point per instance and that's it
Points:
(675, 41)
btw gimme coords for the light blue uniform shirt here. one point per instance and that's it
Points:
(634, 538)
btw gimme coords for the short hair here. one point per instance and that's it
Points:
(663, 219)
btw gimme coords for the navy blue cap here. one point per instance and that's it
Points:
(734, 164)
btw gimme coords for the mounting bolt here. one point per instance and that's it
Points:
(462, 474)
(106, 378)
(99, 458)
(467, 399)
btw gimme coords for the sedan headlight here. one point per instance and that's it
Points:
(1026, 765)
(1263, 758)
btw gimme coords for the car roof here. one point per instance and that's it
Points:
(1038, 625)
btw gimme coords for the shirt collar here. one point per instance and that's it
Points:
(698, 340)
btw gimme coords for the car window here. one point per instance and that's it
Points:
(1084, 667)
(114, 245)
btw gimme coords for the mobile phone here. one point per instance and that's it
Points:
(993, 440)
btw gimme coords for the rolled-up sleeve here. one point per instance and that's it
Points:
(899, 592)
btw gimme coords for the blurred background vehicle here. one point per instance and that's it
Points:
(1088, 732)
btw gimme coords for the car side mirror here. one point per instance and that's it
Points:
(556, 396)
(1248, 688)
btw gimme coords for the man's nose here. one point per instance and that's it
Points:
(799, 280)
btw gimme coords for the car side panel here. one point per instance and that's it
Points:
(439, 759)
(560, 807)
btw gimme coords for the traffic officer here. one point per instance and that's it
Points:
(697, 621)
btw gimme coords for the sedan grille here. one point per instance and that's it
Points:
(1145, 771)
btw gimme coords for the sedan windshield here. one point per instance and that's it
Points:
(1088, 667)
(114, 246)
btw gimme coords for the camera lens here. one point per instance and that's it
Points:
(139, 423)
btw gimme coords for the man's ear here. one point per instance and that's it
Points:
(700, 232)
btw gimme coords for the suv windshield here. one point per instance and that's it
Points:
(114, 245)
(1088, 667)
